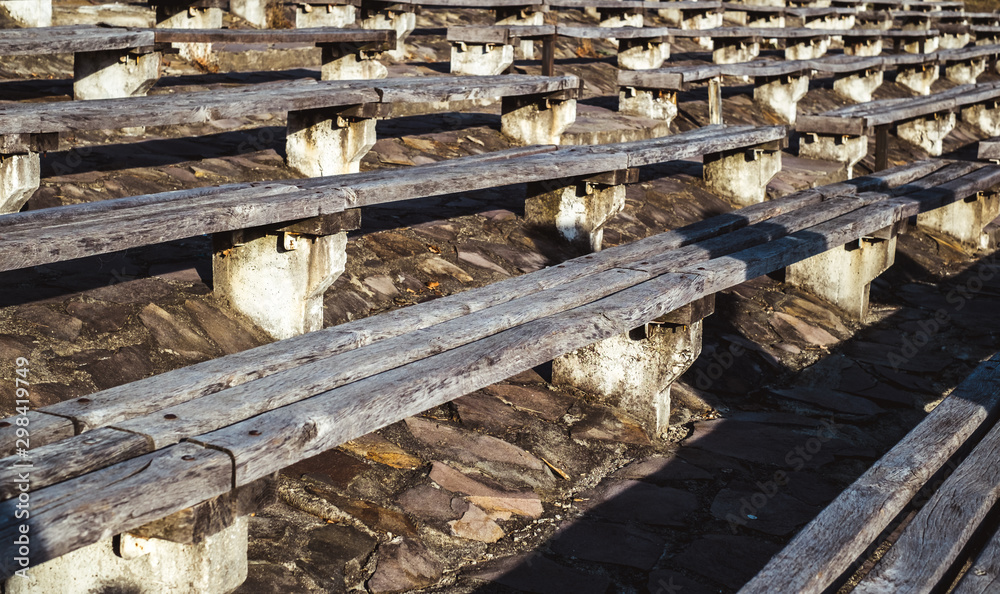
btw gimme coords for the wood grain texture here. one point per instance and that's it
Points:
(44, 427)
(71, 457)
(71, 39)
(828, 545)
(983, 577)
(99, 505)
(933, 539)
(306, 35)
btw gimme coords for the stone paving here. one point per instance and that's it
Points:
(522, 486)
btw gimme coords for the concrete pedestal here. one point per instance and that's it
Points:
(781, 94)
(964, 220)
(919, 78)
(182, 17)
(730, 51)
(859, 86)
(634, 371)
(927, 133)
(844, 274)
(845, 149)
(655, 104)
(985, 116)
(965, 73)
(577, 209)
(217, 565)
(864, 47)
(350, 61)
(322, 142)
(642, 54)
(487, 59)
(521, 16)
(20, 176)
(742, 175)
(114, 73)
(401, 22)
(536, 120)
(28, 13)
(324, 15)
(807, 49)
(278, 279)
(252, 11)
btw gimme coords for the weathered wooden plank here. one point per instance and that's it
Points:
(169, 425)
(933, 539)
(71, 39)
(503, 34)
(824, 124)
(290, 433)
(99, 505)
(117, 404)
(584, 32)
(307, 35)
(989, 149)
(830, 543)
(54, 463)
(463, 88)
(983, 577)
(44, 427)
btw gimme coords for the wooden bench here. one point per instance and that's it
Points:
(331, 124)
(925, 505)
(739, 164)
(112, 62)
(112, 463)
(842, 134)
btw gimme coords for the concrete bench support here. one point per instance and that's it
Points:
(177, 16)
(655, 104)
(848, 150)
(252, 11)
(324, 15)
(985, 116)
(324, 142)
(522, 16)
(277, 277)
(781, 93)
(694, 20)
(619, 17)
(843, 275)
(965, 220)
(635, 371)
(924, 45)
(954, 40)
(918, 78)
(28, 13)
(198, 549)
(859, 86)
(487, 59)
(216, 565)
(538, 119)
(114, 73)
(928, 132)
(351, 61)
(578, 208)
(863, 46)
(742, 175)
(383, 18)
(807, 49)
(965, 73)
(642, 54)
(20, 175)
(734, 51)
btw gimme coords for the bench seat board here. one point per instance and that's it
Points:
(71, 39)
(315, 35)
(829, 544)
(932, 541)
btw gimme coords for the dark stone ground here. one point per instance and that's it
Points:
(522, 486)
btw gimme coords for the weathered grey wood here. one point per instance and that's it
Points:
(613, 4)
(54, 463)
(933, 539)
(830, 543)
(169, 425)
(583, 32)
(99, 505)
(71, 39)
(462, 88)
(278, 438)
(989, 149)
(316, 35)
(503, 34)
(44, 427)
(117, 404)
(983, 577)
